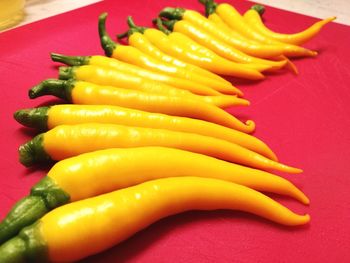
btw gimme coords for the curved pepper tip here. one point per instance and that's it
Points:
(250, 125)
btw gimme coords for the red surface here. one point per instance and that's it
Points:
(304, 118)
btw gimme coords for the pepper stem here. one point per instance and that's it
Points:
(24, 213)
(133, 28)
(59, 88)
(33, 118)
(70, 60)
(159, 23)
(44, 196)
(107, 43)
(172, 13)
(65, 73)
(33, 152)
(210, 6)
(259, 8)
(28, 246)
(169, 23)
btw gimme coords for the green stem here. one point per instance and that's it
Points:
(169, 24)
(172, 13)
(65, 73)
(123, 35)
(33, 118)
(159, 23)
(44, 196)
(210, 6)
(59, 88)
(24, 213)
(107, 43)
(259, 8)
(133, 28)
(28, 246)
(71, 60)
(33, 152)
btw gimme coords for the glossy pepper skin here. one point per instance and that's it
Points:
(134, 56)
(80, 92)
(253, 18)
(236, 40)
(65, 141)
(46, 118)
(173, 46)
(178, 44)
(140, 37)
(137, 39)
(115, 64)
(107, 76)
(103, 171)
(62, 235)
(236, 22)
(201, 30)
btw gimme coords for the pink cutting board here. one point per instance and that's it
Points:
(304, 118)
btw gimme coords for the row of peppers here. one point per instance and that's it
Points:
(144, 121)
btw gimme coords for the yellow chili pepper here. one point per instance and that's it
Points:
(110, 77)
(46, 118)
(204, 32)
(65, 141)
(252, 17)
(103, 171)
(138, 40)
(180, 45)
(65, 233)
(80, 92)
(247, 45)
(134, 56)
(236, 22)
(219, 29)
(120, 66)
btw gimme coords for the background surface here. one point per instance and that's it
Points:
(303, 118)
(39, 9)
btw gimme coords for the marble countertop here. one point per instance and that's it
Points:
(39, 9)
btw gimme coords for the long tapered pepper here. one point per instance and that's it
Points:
(132, 69)
(162, 41)
(110, 77)
(202, 30)
(80, 92)
(103, 171)
(142, 43)
(63, 235)
(178, 44)
(249, 46)
(236, 40)
(134, 56)
(235, 21)
(46, 118)
(65, 141)
(253, 18)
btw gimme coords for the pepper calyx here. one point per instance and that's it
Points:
(33, 118)
(33, 152)
(71, 60)
(59, 88)
(133, 28)
(172, 13)
(159, 23)
(210, 6)
(259, 8)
